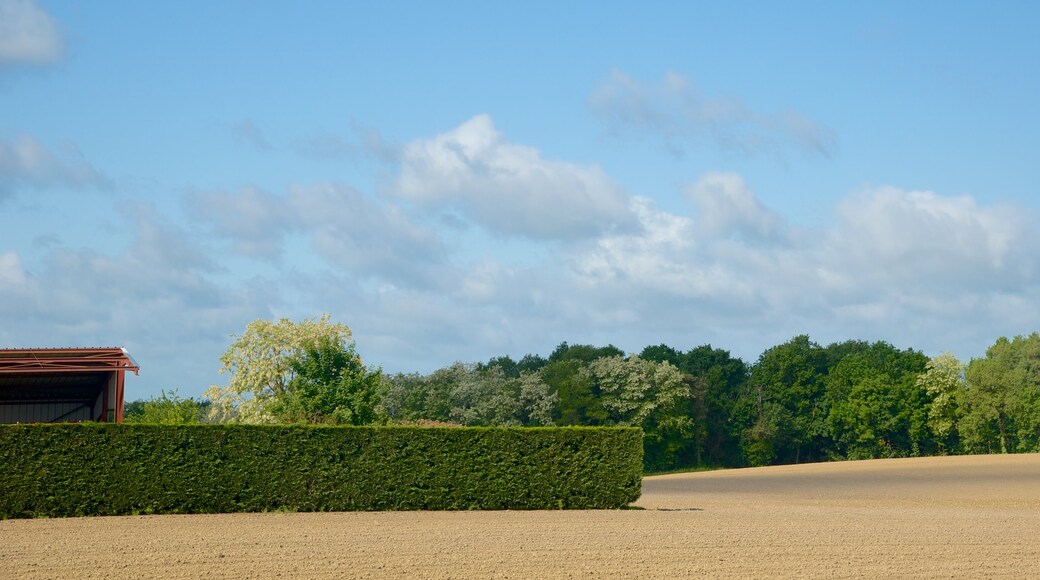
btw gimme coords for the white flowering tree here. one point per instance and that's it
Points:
(944, 381)
(643, 393)
(260, 365)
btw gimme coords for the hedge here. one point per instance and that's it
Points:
(108, 469)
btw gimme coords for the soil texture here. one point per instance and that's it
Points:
(951, 517)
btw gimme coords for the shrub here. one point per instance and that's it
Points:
(112, 469)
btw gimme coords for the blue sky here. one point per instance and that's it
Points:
(461, 180)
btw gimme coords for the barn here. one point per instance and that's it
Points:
(57, 385)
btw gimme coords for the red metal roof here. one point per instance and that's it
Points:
(57, 360)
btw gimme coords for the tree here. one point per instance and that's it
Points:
(577, 402)
(662, 353)
(536, 400)
(263, 362)
(470, 394)
(329, 384)
(652, 395)
(485, 397)
(943, 379)
(403, 397)
(513, 369)
(583, 352)
(875, 405)
(785, 397)
(166, 409)
(505, 364)
(715, 380)
(531, 363)
(1001, 405)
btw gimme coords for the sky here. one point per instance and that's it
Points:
(462, 180)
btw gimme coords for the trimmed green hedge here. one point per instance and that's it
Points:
(108, 469)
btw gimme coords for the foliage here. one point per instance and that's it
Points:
(703, 407)
(62, 470)
(631, 389)
(536, 401)
(289, 371)
(485, 397)
(647, 394)
(1001, 404)
(512, 369)
(716, 380)
(944, 381)
(329, 384)
(166, 409)
(875, 405)
(473, 395)
(577, 401)
(583, 352)
(785, 399)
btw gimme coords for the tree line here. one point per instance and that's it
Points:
(798, 402)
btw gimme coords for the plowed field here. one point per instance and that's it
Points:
(967, 517)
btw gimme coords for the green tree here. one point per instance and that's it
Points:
(329, 384)
(513, 369)
(485, 397)
(505, 364)
(715, 380)
(577, 397)
(403, 396)
(583, 352)
(577, 400)
(785, 399)
(663, 353)
(470, 394)
(415, 397)
(875, 404)
(632, 389)
(166, 409)
(531, 363)
(1001, 405)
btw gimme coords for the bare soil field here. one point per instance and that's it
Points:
(963, 517)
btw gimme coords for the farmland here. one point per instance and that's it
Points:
(976, 516)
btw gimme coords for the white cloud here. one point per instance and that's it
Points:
(28, 35)
(922, 235)
(26, 163)
(255, 220)
(357, 233)
(510, 189)
(726, 205)
(676, 111)
(158, 296)
(345, 226)
(916, 268)
(688, 280)
(11, 271)
(903, 248)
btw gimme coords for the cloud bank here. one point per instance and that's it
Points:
(916, 268)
